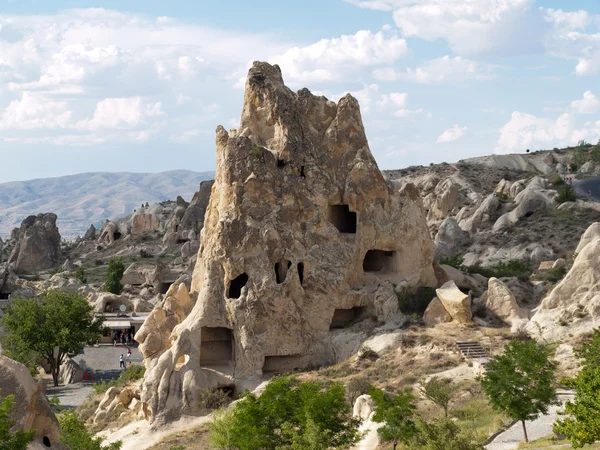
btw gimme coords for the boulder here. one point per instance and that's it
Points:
(295, 242)
(468, 282)
(456, 302)
(363, 407)
(449, 239)
(38, 246)
(68, 266)
(436, 313)
(443, 199)
(502, 304)
(70, 372)
(32, 410)
(483, 215)
(587, 167)
(90, 234)
(592, 232)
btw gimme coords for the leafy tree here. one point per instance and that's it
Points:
(580, 155)
(74, 435)
(397, 412)
(289, 414)
(439, 392)
(80, 274)
(566, 193)
(582, 424)
(53, 326)
(443, 435)
(17, 440)
(520, 382)
(114, 274)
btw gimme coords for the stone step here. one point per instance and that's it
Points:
(472, 349)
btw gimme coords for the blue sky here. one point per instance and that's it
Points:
(89, 86)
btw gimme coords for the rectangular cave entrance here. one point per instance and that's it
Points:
(163, 288)
(236, 285)
(379, 261)
(4, 295)
(283, 364)
(216, 346)
(346, 317)
(343, 219)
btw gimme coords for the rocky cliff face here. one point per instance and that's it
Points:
(302, 235)
(38, 246)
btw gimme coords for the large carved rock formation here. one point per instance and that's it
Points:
(302, 235)
(32, 410)
(38, 246)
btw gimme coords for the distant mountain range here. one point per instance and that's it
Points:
(82, 199)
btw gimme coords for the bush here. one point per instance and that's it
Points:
(566, 193)
(17, 440)
(456, 261)
(213, 398)
(414, 300)
(511, 268)
(133, 373)
(557, 181)
(74, 435)
(356, 387)
(80, 274)
(114, 274)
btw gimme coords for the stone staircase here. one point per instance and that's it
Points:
(472, 350)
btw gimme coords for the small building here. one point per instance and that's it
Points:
(121, 324)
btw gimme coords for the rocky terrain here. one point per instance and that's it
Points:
(79, 200)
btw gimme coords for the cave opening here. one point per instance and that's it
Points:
(282, 364)
(345, 317)
(163, 288)
(343, 219)
(301, 273)
(216, 346)
(236, 285)
(378, 261)
(281, 270)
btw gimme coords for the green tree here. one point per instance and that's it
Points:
(288, 415)
(114, 274)
(57, 324)
(443, 435)
(80, 274)
(439, 392)
(595, 154)
(566, 193)
(74, 435)
(580, 155)
(582, 424)
(397, 413)
(16, 440)
(520, 382)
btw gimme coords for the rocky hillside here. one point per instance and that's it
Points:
(82, 199)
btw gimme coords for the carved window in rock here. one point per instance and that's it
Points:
(236, 285)
(346, 317)
(281, 270)
(216, 346)
(282, 364)
(379, 261)
(343, 219)
(301, 273)
(163, 288)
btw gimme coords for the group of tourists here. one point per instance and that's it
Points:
(123, 337)
(122, 359)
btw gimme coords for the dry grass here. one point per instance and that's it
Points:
(194, 439)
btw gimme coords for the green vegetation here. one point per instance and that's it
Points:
(582, 424)
(520, 382)
(444, 435)
(358, 386)
(566, 193)
(289, 414)
(52, 327)
(510, 268)
(256, 150)
(80, 274)
(75, 436)
(397, 413)
(17, 440)
(133, 373)
(212, 398)
(412, 300)
(114, 274)
(440, 392)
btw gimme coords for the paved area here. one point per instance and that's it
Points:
(71, 395)
(536, 429)
(103, 360)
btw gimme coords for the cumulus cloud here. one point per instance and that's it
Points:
(330, 59)
(589, 104)
(33, 111)
(452, 134)
(121, 113)
(441, 70)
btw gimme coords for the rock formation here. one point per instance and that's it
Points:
(449, 239)
(32, 410)
(302, 235)
(38, 246)
(502, 304)
(455, 302)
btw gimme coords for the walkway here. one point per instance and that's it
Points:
(104, 360)
(536, 429)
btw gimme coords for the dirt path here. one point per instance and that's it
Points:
(536, 429)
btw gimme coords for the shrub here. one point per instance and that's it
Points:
(566, 193)
(80, 274)
(456, 261)
(213, 398)
(414, 300)
(356, 387)
(114, 274)
(17, 440)
(133, 373)
(511, 268)
(74, 435)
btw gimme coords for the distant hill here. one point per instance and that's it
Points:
(82, 199)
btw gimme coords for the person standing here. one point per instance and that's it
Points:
(121, 362)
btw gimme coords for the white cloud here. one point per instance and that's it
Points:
(121, 113)
(331, 59)
(452, 134)
(33, 111)
(441, 70)
(567, 19)
(397, 99)
(526, 131)
(589, 104)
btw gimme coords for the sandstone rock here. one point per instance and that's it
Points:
(587, 167)
(363, 407)
(70, 372)
(502, 303)
(545, 265)
(573, 306)
(530, 202)
(192, 221)
(457, 303)
(559, 263)
(68, 266)
(468, 282)
(38, 246)
(443, 199)
(32, 410)
(190, 249)
(110, 233)
(90, 234)
(436, 313)
(482, 217)
(592, 232)
(449, 239)
(295, 242)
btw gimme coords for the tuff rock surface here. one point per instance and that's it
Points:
(302, 235)
(38, 245)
